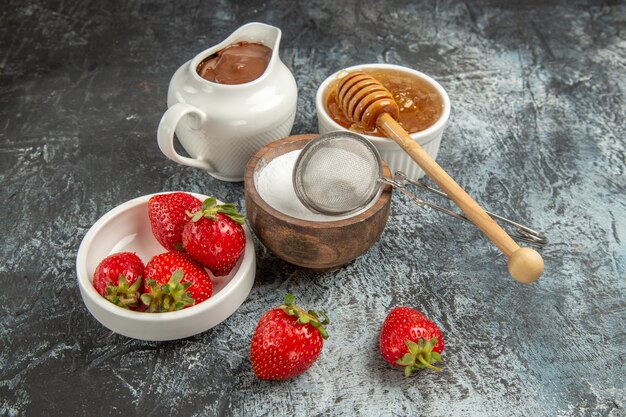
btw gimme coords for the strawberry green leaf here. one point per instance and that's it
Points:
(136, 285)
(240, 219)
(407, 359)
(228, 207)
(289, 299)
(305, 317)
(421, 344)
(146, 299)
(171, 296)
(420, 356)
(323, 332)
(123, 295)
(208, 203)
(325, 319)
(210, 208)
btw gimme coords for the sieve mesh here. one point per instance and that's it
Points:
(337, 173)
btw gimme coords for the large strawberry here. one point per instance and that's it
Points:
(168, 216)
(287, 341)
(410, 339)
(175, 281)
(118, 279)
(214, 236)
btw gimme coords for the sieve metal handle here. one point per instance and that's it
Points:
(520, 233)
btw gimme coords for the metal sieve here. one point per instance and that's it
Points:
(340, 173)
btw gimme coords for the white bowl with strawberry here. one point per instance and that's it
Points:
(166, 266)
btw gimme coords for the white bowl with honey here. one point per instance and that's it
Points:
(424, 112)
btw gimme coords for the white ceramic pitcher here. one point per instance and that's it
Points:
(220, 125)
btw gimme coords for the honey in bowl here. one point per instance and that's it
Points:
(419, 102)
(238, 63)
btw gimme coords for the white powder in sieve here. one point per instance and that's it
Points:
(275, 185)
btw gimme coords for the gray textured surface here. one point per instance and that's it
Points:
(536, 132)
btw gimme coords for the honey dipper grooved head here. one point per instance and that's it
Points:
(363, 99)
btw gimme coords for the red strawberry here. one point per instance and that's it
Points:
(168, 216)
(175, 281)
(118, 279)
(287, 341)
(411, 340)
(214, 236)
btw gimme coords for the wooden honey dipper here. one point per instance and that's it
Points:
(369, 104)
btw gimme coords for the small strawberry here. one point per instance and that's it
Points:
(175, 281)
(214, 236)
(118, 279)
(287, 341)
(411, 340)
(168, 217)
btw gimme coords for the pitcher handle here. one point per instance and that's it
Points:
(167, 128)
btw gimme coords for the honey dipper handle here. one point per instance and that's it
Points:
(525, 264)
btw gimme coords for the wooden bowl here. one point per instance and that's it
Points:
(320, 246)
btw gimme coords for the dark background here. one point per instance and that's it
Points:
(536, 133)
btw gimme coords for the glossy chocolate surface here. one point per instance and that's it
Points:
(238, 63)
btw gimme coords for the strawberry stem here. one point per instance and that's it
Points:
(428, 365)
(420, 356)
(210, 208)
(171, 296)
(306, 317)
(123, 295)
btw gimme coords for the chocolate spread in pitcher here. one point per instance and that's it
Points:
(238, 63)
